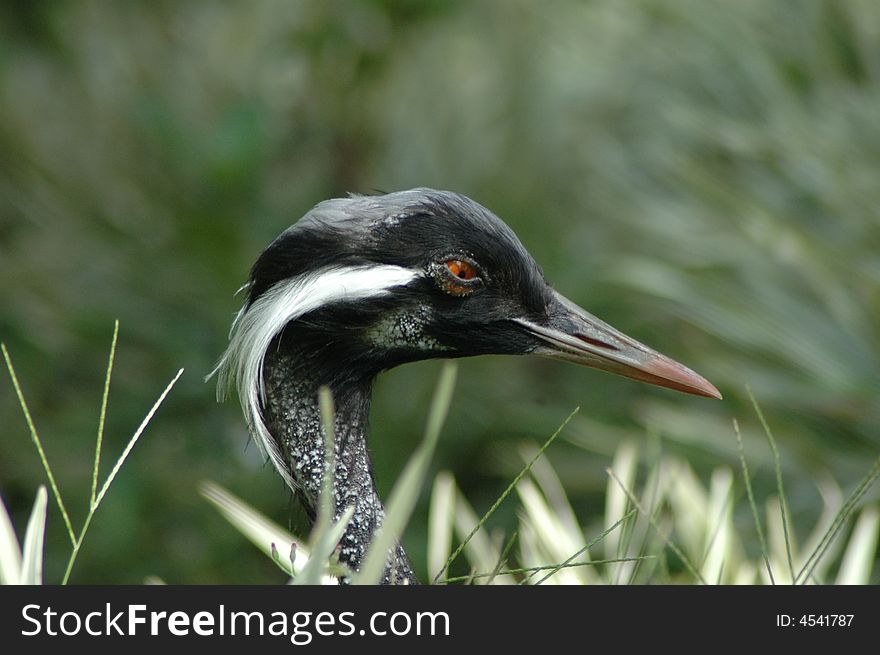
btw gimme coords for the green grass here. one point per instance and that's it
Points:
(662, 524)
(35, 536)
(671, 518)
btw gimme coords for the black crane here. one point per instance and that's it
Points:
(365, 283)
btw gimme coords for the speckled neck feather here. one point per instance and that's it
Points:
(293, 419)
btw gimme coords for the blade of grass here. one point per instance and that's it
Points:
(625, 461)
(134, 439)
(752, 503)
(839, 521)
(855, 568)
(325, 502)
(721, 478)
(323, 528)
(39, 444)
(10, 551)
(291, 557)
(538, 569)
(441, 519)
(323, 544)
(113, 473)
(601, 536)
(259, 530)
(504, 495)
(678, 552)
(406, 490)
(481, 552)
(104, 397)
(778, 467)
(503, 557)
(32, 551)
(655, 487)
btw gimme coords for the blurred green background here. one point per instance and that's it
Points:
(704, 176)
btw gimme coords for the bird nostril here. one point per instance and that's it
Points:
(595, 342)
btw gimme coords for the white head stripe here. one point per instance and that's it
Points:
(256, 326)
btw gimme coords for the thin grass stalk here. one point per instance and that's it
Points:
(38, 443)
(778, 468)
(663, 537)
(538, 569)
(134, 439)
(752, 503)
(604, 534)
(504, 553)
(652, 486)
(617, 504)
(93, 507)
(504, 495)
(103, 416)
(654, 455)
(325, 502)
(844, 513)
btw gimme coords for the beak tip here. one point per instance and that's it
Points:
(700, 386)
(712, 392)
(666, 372)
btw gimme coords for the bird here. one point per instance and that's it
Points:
(365, 283)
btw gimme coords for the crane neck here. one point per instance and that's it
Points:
(293, 418)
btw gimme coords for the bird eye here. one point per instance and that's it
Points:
(461, 269)
(456, 276)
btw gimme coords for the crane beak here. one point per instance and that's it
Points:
(573, 334)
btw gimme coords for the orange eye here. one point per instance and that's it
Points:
(461, 269)
(457, 277)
